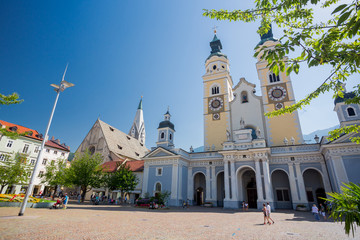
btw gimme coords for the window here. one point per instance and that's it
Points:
(26, 148)
(52, 162)
(92, 150)
(350, 111)
(119, 147)
(159, 171)
(215, 90)
(3, 157)
(47, 150)
(128, 137)
(63, 154)
(55, 152)
(158, 187)
(162, 136)
(282, 195)
(111, 129)
(9, 144)
(137, 154)
(170, 136)
(274, 78)
(44, 161)
(41, 173)
(214, 67)
(36, 150)
(32, 162)
(244, 97)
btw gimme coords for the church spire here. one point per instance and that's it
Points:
(137, 129)
(216, 47)
(267, 37)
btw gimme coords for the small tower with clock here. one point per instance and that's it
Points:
(277, 92)
(217, 95)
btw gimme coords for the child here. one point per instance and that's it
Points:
(315, 211)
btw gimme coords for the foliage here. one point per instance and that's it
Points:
(10, 99)
(163, 197)
(333, 42)
(345, 206)
(85, 171)
(123, 178)
(17, 198)
(14, 170)
(55, 174)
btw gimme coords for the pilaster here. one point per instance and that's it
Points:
(234, 195)
(190, 187)
(226, 180)
(213, 183)
(301, 184)
(174, 182)
(145, 180)
(259, 184)
(208, 190)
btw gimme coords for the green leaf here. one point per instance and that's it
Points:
(343, 18)
(339, 8)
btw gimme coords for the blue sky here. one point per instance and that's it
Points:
(119, 51)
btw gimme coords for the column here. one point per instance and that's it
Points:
(208, 190)
(145, 180)
(340, 172)
(180, 176)
(226, 180)
(259, 184)
(267, 182)
(234, 194)
(301, 184)
(190, 187)
(174, 181)
(292, 181)
(326, 179)
(213, 183)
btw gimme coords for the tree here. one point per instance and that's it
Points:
(123, 179)
(10, 99)
(85, 171)
(345, 206)
(14, 171)
(333, 41)
(55, 174)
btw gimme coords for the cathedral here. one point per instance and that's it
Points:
(248, 156)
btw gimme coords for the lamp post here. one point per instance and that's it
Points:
(63, 85)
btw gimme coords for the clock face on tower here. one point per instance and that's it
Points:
(277, 93)
(216, 104)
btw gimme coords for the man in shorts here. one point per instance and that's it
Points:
(268, 212)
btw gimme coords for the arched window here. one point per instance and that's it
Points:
(215, 90)
(158, 187)
(92, 150)
(244, 97)
(170, 136)
(274, 78)
(350, 111)
(162, 136)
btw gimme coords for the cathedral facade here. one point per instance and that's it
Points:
(248, 156)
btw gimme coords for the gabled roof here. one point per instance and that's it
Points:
(122, 144)
(164, 151)
(33, 134)
(135, 166)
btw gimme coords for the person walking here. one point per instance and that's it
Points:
(265, 214)
(243, 205)
(322, 211)
(268, 212)
(315, 212)
(65, 201)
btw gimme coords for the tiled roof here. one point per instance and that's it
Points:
(122, 144)
(135, 165)
(35, 135)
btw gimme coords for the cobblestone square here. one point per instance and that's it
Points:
(126, 222)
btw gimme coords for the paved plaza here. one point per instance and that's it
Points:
(125, 222)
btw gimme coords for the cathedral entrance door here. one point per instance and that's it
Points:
(199, 198)
(252, 197)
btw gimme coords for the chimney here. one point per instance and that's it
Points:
(52, 138)
(57, 141)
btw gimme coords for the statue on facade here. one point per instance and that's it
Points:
(228, 136)
(286, 142)
(213, 147)
(242, 123)
(292, 139)
(191, 149)
(258, 133)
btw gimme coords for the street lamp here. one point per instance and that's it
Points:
(316, 138)
(63, 85)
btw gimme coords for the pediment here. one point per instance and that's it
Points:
(160, 152)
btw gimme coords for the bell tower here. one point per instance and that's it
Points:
(217, 95)
(277, 92)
